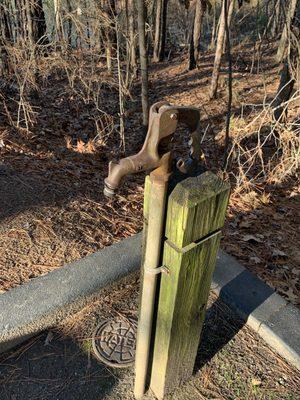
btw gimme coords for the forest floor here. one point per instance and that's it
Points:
(58, 364)
(52, 210)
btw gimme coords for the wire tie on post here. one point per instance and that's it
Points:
(155, 271)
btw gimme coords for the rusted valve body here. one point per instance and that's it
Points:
(163, 121)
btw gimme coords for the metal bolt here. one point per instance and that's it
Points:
(173, 116)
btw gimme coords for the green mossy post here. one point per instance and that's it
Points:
(147, 189)
(195, 215)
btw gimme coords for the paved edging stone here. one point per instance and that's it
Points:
(44, 301)
(265, 311)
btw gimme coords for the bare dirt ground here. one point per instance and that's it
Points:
(232, 361)
(52, 210)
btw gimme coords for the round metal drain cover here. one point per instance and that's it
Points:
(114, 342)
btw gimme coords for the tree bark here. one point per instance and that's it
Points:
(110, 33)
(58, 32)
(219, 51)
(5, 23)
(230, 8)
(18, 17)
(5, 37)
(143, 60)
(160, 30)
(290, 12)
(157, 36)
(276, 18)
(132, 34)
(29, 23)
(39, 27)
(284, 92)
(163, 30)
(196, 36)
(214, 28)
(289, 53)
(229, 103)
(69, 29)
(192, 62)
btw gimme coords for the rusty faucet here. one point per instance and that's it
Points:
(163, 121)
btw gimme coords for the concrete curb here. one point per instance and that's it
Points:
(265, 311)
(43, 302)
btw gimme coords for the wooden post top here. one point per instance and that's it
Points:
(196, 208)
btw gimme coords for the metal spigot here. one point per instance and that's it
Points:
(163, 121)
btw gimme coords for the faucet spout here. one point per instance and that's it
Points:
(163, 122)
(116, 172)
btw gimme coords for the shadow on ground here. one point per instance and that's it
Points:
(64, 370)
(229, 356)
(58, 370)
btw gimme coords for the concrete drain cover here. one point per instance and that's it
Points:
(114, 342)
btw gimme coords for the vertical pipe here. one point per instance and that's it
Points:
(157, 202)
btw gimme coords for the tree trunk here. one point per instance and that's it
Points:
(290, 12)
(192, 62)
(108, 53)
(5, 37)
(87, 28)
(163, 30)
(229, 103)
(58, 24)
(230, 8)
(157, 36)
(289, 50)
(18, 17)
(132, 34)
(110, 33)
(284, 92)
(160, 30)
(143, 60)
(276, 18)
(196, 36)
(5, 23)
(219, 51)
(214, 28)
(4, 59)
(39, 27)
(29, 23)
(69, 27)
(32, 25)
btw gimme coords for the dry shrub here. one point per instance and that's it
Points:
(264, 151)
(22, 81)
(83, 69)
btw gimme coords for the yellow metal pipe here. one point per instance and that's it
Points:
(156, 215)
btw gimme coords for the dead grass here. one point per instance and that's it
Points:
(54, 173)
(232, 361)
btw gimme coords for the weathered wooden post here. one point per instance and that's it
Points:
(195, 214)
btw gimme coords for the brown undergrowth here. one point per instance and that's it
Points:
(53, 210)
(232, 361)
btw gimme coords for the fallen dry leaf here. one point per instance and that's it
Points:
(278, 253)
(254, 238)
(256, 382)
(49, 338)
(245, 224)
(255, 259)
